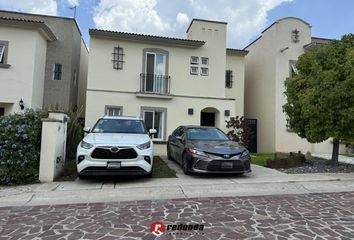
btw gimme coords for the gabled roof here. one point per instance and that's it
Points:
(21, 22)
(146, 38)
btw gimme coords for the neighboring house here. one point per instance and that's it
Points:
(271, 60)
(58, 79)
(167, 81)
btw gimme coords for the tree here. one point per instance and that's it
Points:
(320, 99)
(240, 131)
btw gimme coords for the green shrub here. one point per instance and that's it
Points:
(73, 136)
(20, 143)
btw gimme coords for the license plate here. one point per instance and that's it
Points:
(226, 165)
(113, 165)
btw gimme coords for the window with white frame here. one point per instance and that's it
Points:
(205, 61)
(293, 69)
(194, 70)
(113, 111)
(2, 52)
(57, 71)
(194, 60)
(204, 71)
(155, 119)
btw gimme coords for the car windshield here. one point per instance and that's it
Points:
(210, 134)
(119, 126)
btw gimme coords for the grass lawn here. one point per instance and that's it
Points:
(160, 170)
(261, 158)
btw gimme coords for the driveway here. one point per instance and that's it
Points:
(281, 217)
(261, 181)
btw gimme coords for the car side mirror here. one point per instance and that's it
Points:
(152, 132)
(87, 129)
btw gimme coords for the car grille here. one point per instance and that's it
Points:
(226, 156)
(215, 165)
(104, 153)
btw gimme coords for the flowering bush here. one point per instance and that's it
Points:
(20, 143)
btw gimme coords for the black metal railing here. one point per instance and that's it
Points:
(151, 83)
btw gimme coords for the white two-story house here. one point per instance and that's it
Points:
(167, 81)
(271, 60)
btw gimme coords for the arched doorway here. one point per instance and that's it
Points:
(209, 117)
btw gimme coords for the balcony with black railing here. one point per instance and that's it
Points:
(155, 84)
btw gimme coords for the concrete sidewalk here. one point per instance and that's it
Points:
(261, 181)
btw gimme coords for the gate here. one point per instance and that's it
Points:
(252, 123)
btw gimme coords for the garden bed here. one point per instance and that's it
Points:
(319, 165)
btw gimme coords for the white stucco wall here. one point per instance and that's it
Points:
(25, 77)
(103, 76)
(83, 78)
(260, 89)
(237, 65)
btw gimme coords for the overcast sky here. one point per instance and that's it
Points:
(246, 18)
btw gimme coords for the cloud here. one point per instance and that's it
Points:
(73, 3)
(48, 7)
(130, 15)
(246, 18)
(181, 19)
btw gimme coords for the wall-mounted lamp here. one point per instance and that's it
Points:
(22, 105)
(190, 111)
(227, 113)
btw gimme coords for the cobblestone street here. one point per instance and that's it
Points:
(305, 216)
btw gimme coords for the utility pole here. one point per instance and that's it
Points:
(74, 8)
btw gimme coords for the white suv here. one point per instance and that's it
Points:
(116, 146)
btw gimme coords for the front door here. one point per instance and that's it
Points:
(207, 119)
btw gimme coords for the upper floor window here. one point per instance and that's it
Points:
(293, 69)
(194, 70)
(2, 51)
(155, 78)
(4, 47)
(118, 58)
(205, 61)
(194, 60)
(204, 71)
(228, 79)
(57, 71)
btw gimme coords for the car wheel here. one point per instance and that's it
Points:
(169, 157)
(186, 171)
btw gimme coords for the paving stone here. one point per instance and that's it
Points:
(307, 216)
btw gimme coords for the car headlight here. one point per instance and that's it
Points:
(86, 145)
(197, 152)
(245, 153)
(144, 146)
